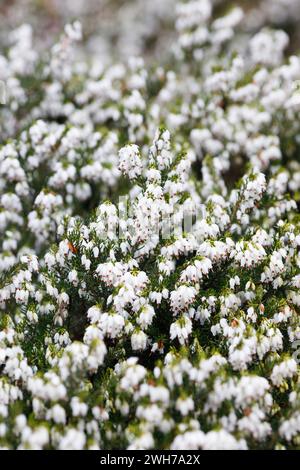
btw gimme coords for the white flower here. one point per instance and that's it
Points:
(74, 31)
(182, 298)
(139, 340)
(72, 440)
(284, 370)
(181, 329)
(111, 324)
(184, 405)
(130, 161)
(146, 316)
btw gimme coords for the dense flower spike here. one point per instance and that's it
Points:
(150, 235)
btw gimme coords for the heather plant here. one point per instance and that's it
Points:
(150, 241)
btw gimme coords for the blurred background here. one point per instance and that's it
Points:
(114, 29)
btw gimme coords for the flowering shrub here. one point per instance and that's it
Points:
(150, 242)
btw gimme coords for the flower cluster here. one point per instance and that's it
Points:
(150, 240)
